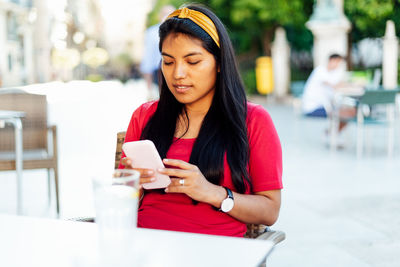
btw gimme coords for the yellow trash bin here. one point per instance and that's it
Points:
(264, 75)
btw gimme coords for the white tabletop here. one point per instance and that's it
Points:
(26, 241)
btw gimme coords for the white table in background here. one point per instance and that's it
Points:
(26, 241)
(14, 118)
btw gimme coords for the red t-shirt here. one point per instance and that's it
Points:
(174, 211)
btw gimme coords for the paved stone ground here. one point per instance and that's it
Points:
(337, 210)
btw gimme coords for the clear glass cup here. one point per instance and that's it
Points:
(116, 201)
(116, 204)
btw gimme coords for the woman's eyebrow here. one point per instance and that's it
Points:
(165, 54)
(192, 54)
(187, 55)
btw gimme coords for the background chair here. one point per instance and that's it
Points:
(39, 139)
(376, 107)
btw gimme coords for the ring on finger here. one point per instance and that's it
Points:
(182, 182)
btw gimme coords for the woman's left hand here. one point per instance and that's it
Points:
(189, 180)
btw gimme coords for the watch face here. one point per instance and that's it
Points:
(227, 205)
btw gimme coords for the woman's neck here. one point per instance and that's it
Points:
(190, 120)
(198, 109)
(189, 123)
(195, 113)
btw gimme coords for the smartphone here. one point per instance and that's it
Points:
(144, 155)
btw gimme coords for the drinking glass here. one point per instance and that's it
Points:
(116, 201)
(116, 204)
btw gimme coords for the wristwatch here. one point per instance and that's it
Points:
(228, 203)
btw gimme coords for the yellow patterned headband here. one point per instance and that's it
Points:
(200, 19)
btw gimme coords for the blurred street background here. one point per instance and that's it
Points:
(338, 209)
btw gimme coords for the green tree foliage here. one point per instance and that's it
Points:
(253, 22)
(368, 17)
(153, 17)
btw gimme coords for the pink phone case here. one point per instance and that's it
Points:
(145, 155)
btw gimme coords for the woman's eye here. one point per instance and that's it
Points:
(194, 62)
(167, 63)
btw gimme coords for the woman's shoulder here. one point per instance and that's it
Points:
(256, 111)
(143, 113)
(139, 119)
(258, 118)
(149, 106)
(260, 127)
(146, 109)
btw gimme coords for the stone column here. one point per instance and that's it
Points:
(281, 63)
(3, 39)
(339, 5)
(330, 28)
(390, 57)
(41, 43)
(28, 72)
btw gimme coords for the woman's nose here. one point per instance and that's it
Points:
(179, 71)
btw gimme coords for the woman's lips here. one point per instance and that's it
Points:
(182, 88)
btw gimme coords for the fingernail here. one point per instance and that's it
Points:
(128, 162)
(152, 179)
(166, 189)
(165, 160)
(149, 172)
(160, 170)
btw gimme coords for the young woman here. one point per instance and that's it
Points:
(222, 153)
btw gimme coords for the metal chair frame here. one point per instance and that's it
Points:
(39, 139)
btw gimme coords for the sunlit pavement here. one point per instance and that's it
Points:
(337, 210)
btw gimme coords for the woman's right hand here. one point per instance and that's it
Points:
(146, 175)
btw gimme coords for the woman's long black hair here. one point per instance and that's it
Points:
(224, 126)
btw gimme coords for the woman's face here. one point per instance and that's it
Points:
(189, 70)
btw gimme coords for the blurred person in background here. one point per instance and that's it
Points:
(319, 90)
(222, 152)
(150, 64)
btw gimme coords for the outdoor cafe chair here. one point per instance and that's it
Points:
(376, 107)
(39, 139)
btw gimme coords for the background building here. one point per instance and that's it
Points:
(44, 40)
(16, 44)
